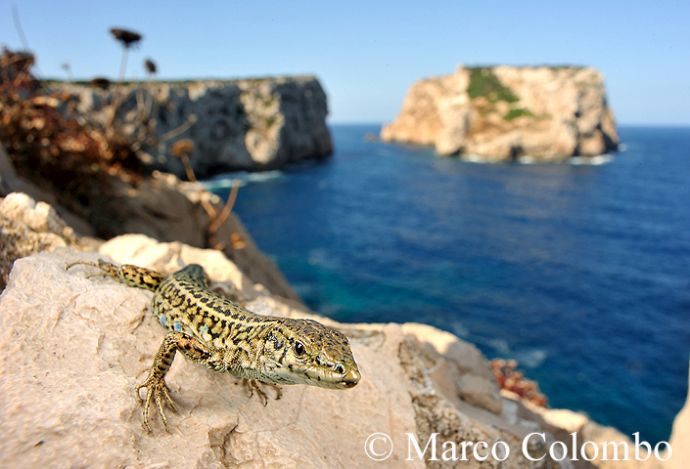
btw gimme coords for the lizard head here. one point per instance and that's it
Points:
(303, 351)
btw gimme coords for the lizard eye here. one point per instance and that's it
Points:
(299, 348)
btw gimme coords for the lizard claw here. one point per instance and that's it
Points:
(253, 386)
(158, 390)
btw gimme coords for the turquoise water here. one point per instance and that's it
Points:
(580, 272)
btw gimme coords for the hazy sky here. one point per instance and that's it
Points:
(368, 53)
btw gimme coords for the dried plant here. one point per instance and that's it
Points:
(43, 138)
(52, 144)
(182, 149)
(128, 39)
(16, 65)
(68, 70)
(236, 241)
(509, 378)
(150, 67)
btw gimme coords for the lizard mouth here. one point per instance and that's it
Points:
(342, 381)
(350, 379)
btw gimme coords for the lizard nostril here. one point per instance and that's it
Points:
(339, 369)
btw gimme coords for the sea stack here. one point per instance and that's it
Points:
(504, 113)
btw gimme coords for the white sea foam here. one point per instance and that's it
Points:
(527, 358)
(501, 347)
(322, 258)
(473, 158)
(459, 329)
(243, 178)
(531, 358)
(526, 159)
(529, 159)
(263, 176)
(591, 160)
(225, 183)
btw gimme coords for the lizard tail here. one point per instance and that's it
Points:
(130, 275)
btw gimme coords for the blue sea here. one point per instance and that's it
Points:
(580, 272)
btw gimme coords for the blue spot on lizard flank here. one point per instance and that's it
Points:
(163, 320)
(178, 326)
(203, 329)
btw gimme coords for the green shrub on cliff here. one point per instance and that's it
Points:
(485, 83)
(517, 112)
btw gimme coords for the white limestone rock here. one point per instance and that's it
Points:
(72, 349)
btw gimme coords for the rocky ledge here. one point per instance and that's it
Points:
(73, 348)
(503, 113)
(251, 124)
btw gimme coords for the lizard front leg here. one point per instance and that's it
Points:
(252, 385)
(238, 361)
(155, 386)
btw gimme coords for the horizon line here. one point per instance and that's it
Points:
(623, 124)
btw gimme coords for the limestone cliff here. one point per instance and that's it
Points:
(496, 114)
(241, 124)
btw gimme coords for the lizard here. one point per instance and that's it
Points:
(210, 329)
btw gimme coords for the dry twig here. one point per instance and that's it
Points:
(222, 217)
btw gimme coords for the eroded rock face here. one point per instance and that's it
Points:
(28, 227)
(170, 210)
(72, 349)
(160, 206)
(242, 124)
(497, 114)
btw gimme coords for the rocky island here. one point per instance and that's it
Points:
(250, 124)
(504, 113)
